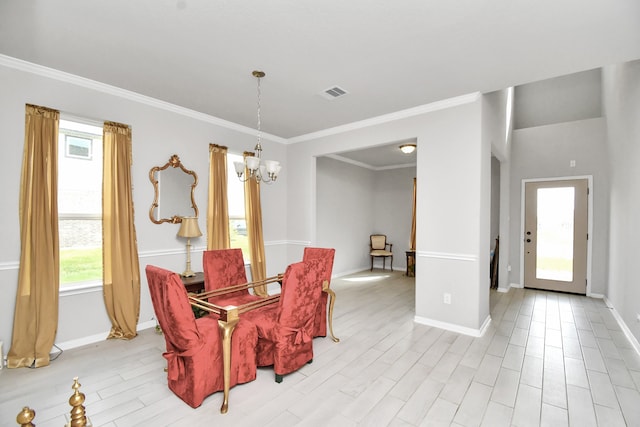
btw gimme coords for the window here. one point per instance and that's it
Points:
(235, 199)
(80, 202)
(78, 147)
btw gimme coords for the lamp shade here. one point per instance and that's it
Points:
(189, 227)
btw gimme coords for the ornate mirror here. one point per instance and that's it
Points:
(174, 186)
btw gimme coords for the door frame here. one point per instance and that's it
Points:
(589, 179)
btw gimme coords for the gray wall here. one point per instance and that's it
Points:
(453, 174)
(345, 203)
(354, 202)
(621, 86)
(546, 152)
(562, 99)
(495, 202)
(392, 211)
(159, 130)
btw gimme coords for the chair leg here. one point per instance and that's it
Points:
(372, 263)
(278, 378)
(391, 262)
(383, 261)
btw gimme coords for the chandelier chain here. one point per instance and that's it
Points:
(259, 146)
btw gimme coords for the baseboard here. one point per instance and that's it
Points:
(516, 285)
(627, 332)
(92, 339)
(453, 327)
(503, 290)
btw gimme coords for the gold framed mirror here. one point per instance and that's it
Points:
(174, 187)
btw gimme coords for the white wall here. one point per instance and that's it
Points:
(159, 130)
(621, 95)
(545, 152)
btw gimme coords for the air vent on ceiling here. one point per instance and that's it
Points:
(334, 92)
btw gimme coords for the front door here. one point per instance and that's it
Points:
(555, 235)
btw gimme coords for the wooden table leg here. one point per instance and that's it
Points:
(332, 298)
(227, 324)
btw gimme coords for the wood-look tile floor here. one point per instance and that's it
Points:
(546, 359)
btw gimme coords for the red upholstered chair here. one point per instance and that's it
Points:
(285, 330)
(223, 268)
(194, 346)
(326, 255)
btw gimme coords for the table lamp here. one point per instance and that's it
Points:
(189, 228)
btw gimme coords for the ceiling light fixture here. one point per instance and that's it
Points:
(261, 170)
(408, 148)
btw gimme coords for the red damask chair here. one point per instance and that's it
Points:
(285, 329)
(224, 268)
(194, 346)
(327, 256)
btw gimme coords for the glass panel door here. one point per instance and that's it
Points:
(555, 239)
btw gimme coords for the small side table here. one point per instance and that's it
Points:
(411, 263)
(194, 284)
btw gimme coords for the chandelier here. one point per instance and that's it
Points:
(261, 170)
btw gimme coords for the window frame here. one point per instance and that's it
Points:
(94, 285)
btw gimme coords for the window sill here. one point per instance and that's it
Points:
(80, 288)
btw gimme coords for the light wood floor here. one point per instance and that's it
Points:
(547, 359)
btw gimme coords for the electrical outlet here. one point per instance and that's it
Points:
(447, 298)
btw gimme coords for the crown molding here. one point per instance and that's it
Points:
(73, 79)
(368, 166)
(385, 118)
(62, 76)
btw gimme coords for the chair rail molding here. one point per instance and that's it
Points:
(447, 255)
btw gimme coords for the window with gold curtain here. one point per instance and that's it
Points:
(218, 212)
(253, 213)
(120, 252)
(36, 311)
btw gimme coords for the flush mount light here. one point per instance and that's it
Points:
(408, 148)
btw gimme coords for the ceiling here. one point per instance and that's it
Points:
(389, 56)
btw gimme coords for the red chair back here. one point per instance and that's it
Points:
(172, 308)
(326, 255)
(222, 268)
(301, 289)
